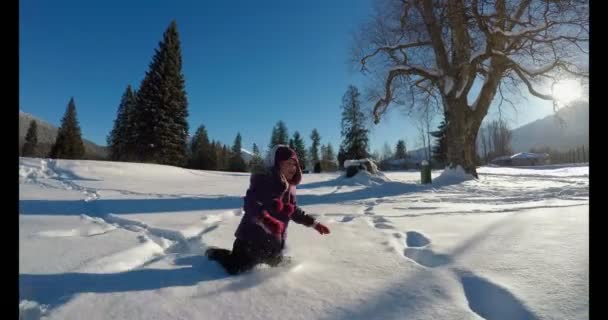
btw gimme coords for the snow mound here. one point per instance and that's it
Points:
(366, 179)
(452, 176)
(32, 172)
(31, 310)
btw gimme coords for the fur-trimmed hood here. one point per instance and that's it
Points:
(272, 164)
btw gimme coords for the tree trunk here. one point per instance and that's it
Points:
(462, 128)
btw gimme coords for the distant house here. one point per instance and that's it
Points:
(522, 159)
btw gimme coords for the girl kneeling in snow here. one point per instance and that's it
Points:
(270, 204)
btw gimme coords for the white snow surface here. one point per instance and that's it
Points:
(111, 240)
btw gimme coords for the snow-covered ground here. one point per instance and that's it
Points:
(107, 240)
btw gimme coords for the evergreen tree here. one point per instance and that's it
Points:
(300, 149)
(216, 151)
(256, 162)
(354, 134)
(225, 156)
(130, 129)
(237, 164)
(441, 147)
(291, 144)
(329, 153)
(328, 159)
(342, 157)
(202, 156)
(314, 148)
(400, 152)
(279, 135)
(118, 139)
(162, 106)
(68, 143)
(31, 141)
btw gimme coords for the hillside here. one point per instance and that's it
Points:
(47, 134)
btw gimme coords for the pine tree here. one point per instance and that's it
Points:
(130, 130)
(256, 163)
(68, 143)
(225, 156)
(328, 159)
(441, 147)
(329, 153)
(291, 144)
(354, 134)
(314, 148)
(342, 157)
(162, 106)
(300, 149)
(202, 156)
(216, 153)
(118, 138)
(237, 164)
(279, 135)
(31, 140)
(400, 152)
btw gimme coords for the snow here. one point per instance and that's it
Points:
(114, 240)
(451, 176)
(517, 33)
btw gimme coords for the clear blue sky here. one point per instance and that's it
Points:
(247, 64)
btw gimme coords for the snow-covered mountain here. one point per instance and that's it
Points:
(549, 132)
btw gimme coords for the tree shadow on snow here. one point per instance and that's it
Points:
(125, 206)
(103, 207)
(56, 289)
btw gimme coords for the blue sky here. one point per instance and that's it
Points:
(247, 64)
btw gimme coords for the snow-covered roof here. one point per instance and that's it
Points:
(529, 155)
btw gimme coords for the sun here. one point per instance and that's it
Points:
(566, 91)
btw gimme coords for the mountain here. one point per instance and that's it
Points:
(47, 134)
(549, 132)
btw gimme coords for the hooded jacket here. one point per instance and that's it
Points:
(269, 192)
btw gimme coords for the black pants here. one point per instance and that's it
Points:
(245, 255)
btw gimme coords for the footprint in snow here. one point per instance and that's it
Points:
(415, 250)
(416, 239)
(347, 218)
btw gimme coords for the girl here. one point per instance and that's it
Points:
(270, 204)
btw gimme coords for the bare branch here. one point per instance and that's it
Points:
(530, 87)
(389, 49)
(523, 5)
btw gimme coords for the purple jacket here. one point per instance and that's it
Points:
(265, 191)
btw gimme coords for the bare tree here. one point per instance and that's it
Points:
(495, 139)
(422, 136)
(484, 144)
(387, 152)
(433, 51)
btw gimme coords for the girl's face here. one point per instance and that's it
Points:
(289, 168)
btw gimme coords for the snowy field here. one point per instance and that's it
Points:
(106, 240)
